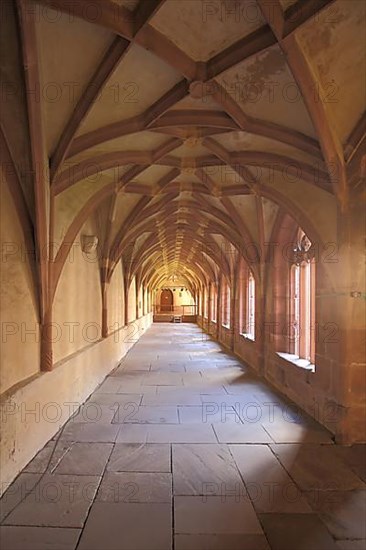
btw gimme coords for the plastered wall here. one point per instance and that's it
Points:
(132, 301)
(35, 412)
(20, 347)
(35, 404)
(77, 310)
(139, 301)
(115, 297)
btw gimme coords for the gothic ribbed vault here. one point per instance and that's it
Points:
(184, 128)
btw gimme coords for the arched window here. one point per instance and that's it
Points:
(292, 326)
(302, 300)
(225, 304)
(205, 303)
(250, 307)
(247, 302)
(214, 303)
(200, 304)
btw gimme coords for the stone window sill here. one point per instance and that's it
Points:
(295, 360)
(249, 337)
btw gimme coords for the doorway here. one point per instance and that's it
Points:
(166, 300)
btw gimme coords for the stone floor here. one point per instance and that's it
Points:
(183, 448)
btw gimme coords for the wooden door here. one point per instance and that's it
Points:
(166, 300)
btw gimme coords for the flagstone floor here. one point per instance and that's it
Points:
(182, 447)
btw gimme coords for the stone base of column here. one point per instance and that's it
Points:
(104, 323)
(46, 356)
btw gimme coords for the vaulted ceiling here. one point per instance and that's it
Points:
(183, 127)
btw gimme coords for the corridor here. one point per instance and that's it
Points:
(182, 447)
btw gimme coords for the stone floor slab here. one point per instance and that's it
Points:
(355, 458)
(316, 467)
(129, 487)
(162, 379)
(214, 515)
(221, 542)
(282, 431)
(147, 415)
(135, 365)
(351, 544)
(168, 366)
(300, 531)
(133, 388)
(38, 538)
(169, 433)
(94, 413)
(270, 487)
(110, 385)
(15, 492)
(116, 399)
(131, 526)
(57, 501)
(39, 464)
(245, 405)
(172, 397)
(90, 433)
(343, 512)
(136, 457)
(207, 413)
(204, 470)
(85, 459)
(241, 433)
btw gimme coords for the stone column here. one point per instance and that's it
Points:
(47, 342)
(219, 312)
(233, 309)
(104, 311)
(209, 312)
(126, 288)
(348, 278)
(137, 286)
